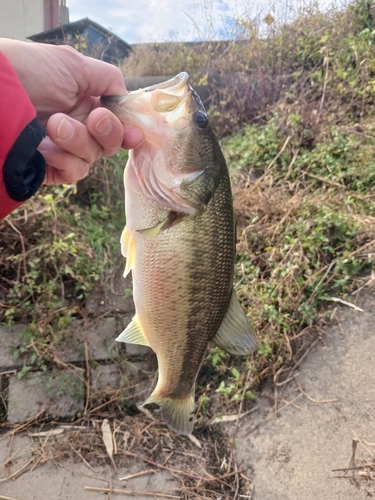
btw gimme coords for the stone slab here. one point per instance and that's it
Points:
(10, 340)
(136, 381)
(100, 337)
(105, 378)
(137, 351)
(61, 394)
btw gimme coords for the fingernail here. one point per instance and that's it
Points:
(104, 126)
(65, 130)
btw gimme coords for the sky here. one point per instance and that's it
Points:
(144, 21)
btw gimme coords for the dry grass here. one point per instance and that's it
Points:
(204, 468)
(361, 468)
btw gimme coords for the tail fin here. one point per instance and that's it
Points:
(177, 413)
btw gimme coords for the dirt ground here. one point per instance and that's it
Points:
(297, 452)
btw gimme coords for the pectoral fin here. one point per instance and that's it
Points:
(235, 335)
(133, 334)
(128, 249)
(172, 219)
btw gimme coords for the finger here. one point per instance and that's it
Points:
(62, 167)
(95, 77)
(106, 129)
(73, 136)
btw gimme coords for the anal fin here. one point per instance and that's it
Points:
(133, 334)
(235, 334)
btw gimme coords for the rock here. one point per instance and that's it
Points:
(60, 394)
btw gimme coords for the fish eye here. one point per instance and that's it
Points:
(201, 119)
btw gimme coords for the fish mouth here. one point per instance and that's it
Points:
(173, 86)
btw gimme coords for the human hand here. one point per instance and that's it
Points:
(65, 88)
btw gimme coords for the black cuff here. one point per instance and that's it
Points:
(25, 168)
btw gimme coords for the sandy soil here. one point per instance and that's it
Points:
(293, 455)
(290, 455)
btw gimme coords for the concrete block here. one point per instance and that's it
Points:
(100, 337)
(105, 378)
(137, 351)
(136, 381)
(9, 341)
(61, 394)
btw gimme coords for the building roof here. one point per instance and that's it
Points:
(61, 33)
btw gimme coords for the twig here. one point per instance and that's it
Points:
(237, 481)
(310, 398)
(51, 432)
(274, 413)
(324, 88)
(270, 166)
(142, 473)
(23, 248)
(368, 283)
(278, 154)
(321, 281)
(81, 457)
(228, 418)
(88, 373)
(325, 180)
(155, 464)
(2, 497)
(372, 242)
(280, 384)
(131, 492)
(341, 301)
(195, 441)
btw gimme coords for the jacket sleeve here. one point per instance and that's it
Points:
(22, 167)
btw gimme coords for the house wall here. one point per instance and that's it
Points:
(20, 19)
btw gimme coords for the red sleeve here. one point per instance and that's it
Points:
(22, 167)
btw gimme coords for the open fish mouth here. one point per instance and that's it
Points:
(173, 86)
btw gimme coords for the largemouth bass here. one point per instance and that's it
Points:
(179, 242)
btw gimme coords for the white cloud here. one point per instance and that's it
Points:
(184, 20)
(157, 20)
